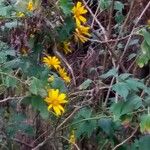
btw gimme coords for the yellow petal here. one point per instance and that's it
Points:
(61, 108)
(57, 110)
(83, 20)
(55, 93)
(47, 99)
(79, 4)
(49, 107)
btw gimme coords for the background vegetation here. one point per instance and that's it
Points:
(74, 75)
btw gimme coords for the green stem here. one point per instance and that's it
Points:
(87, 119)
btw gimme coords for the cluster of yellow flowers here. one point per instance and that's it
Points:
(55, 99)
(54, 62)
(29, 7)
(81, 31)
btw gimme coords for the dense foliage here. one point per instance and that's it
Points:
(74, 75)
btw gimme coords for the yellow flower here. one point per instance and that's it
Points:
(72, 139)
(51, 61)
(20, 14)
(78, 11)
(66, 47)
(81, 33)
(63, 74)
(51, 78)
(55, 100)
(30, 5)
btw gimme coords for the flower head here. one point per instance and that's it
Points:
(55, 100)
(72, 139)
(66, 47)
(30, 5)
(51, 61)
(63, 74)
(20, 14)
(51, 78)
(78, 11)
(81, 33)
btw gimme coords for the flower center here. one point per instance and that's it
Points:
(55, 102)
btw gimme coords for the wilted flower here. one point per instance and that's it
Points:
(81, 33)
(63, 74)
(66, 47)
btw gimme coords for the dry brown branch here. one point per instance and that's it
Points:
(10, 98)
(123, 142)
(57, 128)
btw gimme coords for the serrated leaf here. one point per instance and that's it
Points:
(86, 127)
(121, 88)
(66, 6)
(132, 103)
(36, 87)
(106, 125)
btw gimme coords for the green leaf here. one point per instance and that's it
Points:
(4, 11)
(118, 6)
(37, 87)
(141, 144)
(133, 102)
(106, 125)
(124, 76)
(145, 124)
(66, 6)
(112, 72)
(12, 64)
(38, 103)
(119, 17)
(121, 88)
(144, 143)
(65, 31)
(10, 82)
(146, 35)
(85, 84)
(58, 83)
(145, 48)
(135, 84)
(86, 127)
(105, 4)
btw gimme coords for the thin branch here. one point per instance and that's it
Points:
(71, 143)
(110, 18)
(123, 142)
(139, 18)
(96, 20)
(10, 98)
(21, 142)
(49, 137)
